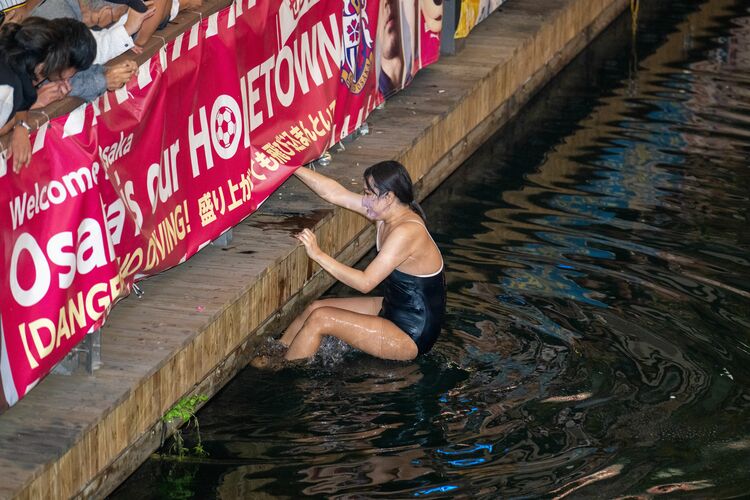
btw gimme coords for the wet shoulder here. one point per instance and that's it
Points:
(412, 230)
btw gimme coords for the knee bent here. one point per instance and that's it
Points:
(314, 305)
(319, 317)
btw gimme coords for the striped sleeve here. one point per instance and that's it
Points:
(6, 5)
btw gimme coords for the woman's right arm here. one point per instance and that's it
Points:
(330, 190)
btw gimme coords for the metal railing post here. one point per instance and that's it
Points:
(224, 239)
(90, 347)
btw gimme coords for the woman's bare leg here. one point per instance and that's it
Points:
(362, 305)
(369, 333)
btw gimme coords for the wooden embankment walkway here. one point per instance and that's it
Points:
(197, 324)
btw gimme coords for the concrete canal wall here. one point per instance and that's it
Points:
(197, 325)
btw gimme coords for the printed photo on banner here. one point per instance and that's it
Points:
(397, 46)
(431, 26)
(474, 12)
(408, 36)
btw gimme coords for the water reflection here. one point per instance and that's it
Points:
(598, 336)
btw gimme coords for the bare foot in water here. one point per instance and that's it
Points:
(269, 356)
(260, 362)
(269, 363)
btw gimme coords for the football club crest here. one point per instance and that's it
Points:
(358, 57)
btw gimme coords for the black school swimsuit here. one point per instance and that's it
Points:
(415, 303)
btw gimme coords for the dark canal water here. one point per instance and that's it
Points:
(598, 335)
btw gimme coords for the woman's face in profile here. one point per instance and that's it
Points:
(373, 201)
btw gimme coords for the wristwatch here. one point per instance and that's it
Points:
(23, 124)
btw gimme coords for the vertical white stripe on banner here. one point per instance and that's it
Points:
(213, 25)
(97, 112)
(193, 40)
(359, 118)
(106, 105)
(163, 58)
(344, 127)
(121, 94)
(238, 8)
(29, 387)
(250, 4)
(177, 46)
(74, 123)
(41, 133)
(144, 74)
(231, 16)
(278, 33)
(3, 164)
(9, 387)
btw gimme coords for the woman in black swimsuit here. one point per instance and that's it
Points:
(405, 322)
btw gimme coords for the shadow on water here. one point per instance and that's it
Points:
(598, 337)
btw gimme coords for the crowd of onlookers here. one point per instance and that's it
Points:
(50, 49)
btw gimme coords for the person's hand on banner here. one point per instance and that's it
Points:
(119, 74)
(20, 145)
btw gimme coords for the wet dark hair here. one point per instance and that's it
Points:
(57, 44)
(391, 176)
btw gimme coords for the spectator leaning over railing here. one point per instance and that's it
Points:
(111, 41)
(31, 53)
(156, 14)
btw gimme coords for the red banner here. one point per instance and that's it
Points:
(141, 179)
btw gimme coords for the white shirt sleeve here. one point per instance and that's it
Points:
(6, 103)
(112, 41)
(174, 10)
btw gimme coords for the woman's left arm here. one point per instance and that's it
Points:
(394, 252)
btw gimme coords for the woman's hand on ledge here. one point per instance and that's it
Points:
(308, 239)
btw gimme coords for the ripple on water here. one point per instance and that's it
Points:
(597, 337)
